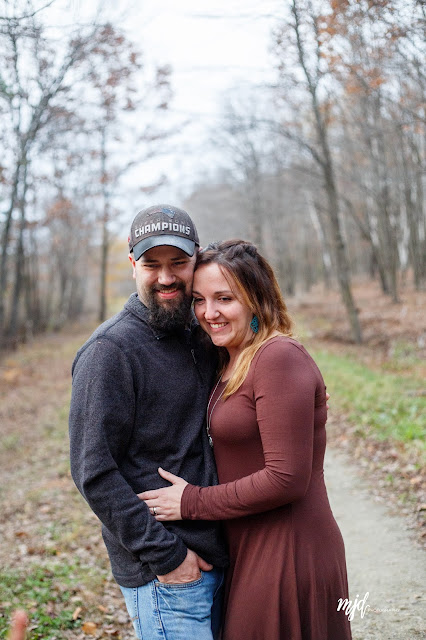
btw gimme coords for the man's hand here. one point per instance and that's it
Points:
(188, 571)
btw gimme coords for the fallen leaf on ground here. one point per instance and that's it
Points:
(76, 613)
(90, 628)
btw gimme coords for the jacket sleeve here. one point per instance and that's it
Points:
(284, 388)
(101, 425)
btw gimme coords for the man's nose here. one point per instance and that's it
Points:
(166, 276)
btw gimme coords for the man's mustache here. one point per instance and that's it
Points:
(176, 285)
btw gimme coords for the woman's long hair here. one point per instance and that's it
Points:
(253, 281)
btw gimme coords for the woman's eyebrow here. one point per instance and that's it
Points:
(228, 291)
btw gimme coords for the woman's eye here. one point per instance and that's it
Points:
(197, 300)
(225, 299)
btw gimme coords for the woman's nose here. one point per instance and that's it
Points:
(211, 312)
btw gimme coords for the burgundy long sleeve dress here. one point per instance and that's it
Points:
(288, 566)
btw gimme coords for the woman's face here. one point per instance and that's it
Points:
(220, 313)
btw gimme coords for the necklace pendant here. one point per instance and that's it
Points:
(209, 415)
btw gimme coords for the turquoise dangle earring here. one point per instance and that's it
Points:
(254, 324)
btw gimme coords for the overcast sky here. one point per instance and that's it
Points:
(211, 46)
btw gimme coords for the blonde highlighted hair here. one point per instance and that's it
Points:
(253, 281)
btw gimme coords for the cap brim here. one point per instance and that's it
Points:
(188, 246)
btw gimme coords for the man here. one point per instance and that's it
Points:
(140, 389)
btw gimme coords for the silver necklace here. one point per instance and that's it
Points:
(209, 416)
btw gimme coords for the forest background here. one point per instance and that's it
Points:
(322, 165)
(323, 168)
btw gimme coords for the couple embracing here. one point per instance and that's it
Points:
(197, 430)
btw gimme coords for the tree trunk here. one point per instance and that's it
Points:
(13, 325)
(5, 247)
(317, 223)
(338, 245)
(341, 259)
(413, 197)
(324, 159)
(105, 235)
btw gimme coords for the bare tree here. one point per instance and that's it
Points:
(67, 106)
(32, 82)
(247, 148)
(380, 74)
(302, 34)
(114, 72)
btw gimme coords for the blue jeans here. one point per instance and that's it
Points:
(177, 611)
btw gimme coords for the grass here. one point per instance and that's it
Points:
(45, 593)
(403, 358)
(50, 594)
(10, 443)
(383, 404)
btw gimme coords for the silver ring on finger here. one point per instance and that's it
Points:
(154, 511)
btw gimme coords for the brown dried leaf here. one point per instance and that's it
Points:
(45, 508)
(90, 628)
(12, 375)
(76, 613)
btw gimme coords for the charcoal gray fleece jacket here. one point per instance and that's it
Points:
(138, 402)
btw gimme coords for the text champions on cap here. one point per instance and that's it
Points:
(161, 226)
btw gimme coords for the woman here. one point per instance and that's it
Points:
(266, 420)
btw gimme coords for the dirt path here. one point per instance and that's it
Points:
(382, 558)
(44, 521)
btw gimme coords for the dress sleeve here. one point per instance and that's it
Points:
(284, 387)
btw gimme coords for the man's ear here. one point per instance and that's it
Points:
(133, 263)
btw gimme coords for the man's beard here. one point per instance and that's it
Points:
(168, 315)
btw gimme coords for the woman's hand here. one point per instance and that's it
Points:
(164, 504)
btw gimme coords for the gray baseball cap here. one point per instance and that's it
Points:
(162, 224)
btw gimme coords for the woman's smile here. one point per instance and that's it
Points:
(217, 325)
